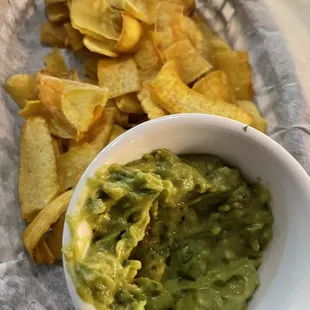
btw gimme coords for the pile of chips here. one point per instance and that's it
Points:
(143, 60)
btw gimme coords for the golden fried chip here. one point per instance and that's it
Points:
(54, 35)
(42, 253)
(80, 106)
(148, 60)
(75, 39)
(104, 47)
(57, 145)
(116, 132)
(57, 12)
(96, 18)
(42, 223)
(69, 75)
(54, 241)
(131, 34)
(51, 93)
(189, 5)
(72, 164)
(141, 9)
(258, 121)
(236, 65)
(175, 97)
(215, 86)
(38, 180)
(121, 78)
(203, 26)
(149, 106)
(215, 45)
(193, 33)
(191, 65)
(168, 26)
(36, 108)
(22, 87)
(55, 62)
(129, 104)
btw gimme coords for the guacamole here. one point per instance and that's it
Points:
(169, 232)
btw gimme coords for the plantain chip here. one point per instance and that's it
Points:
(215, 86)
(148, 104)
(55, 62)
(58, 12)
(42, 253)
(22, 87)
(131, 34)
(193, 33)
(168, 26)
(236, 65)
(215, 45)
(33, 235)
(54, 241)
(96, 18)
(51, 93)
(258, 121)
(141, 9)
(38, 180)
(54, 35)
(72, 164)
(129, 104)
(203, 26)
(36, 108)
(120, 78)
(81, 107)
(104, 47)
(189, 5)
(74, 37)
(175, 97)
(116, 132)
(148, 60)
(191, 65)
(57, 145)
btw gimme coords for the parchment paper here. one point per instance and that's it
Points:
(246, 23)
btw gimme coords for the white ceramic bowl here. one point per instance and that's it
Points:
(285, 272)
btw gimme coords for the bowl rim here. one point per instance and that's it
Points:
(190, 119)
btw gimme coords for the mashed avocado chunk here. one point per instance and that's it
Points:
(169, 232)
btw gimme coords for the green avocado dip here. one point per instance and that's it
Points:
(169, 232)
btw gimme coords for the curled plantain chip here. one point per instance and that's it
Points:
(104, 46)
(120, 78)
(96, 18)
(72, 164)
(54, 35)
(38, 179)
(168, 26)
(55, 62)
(191, 65)
(131, 34)
(81, 107)
(148, 104)
(22, 87)
(215, 86)
(141, 9)
(129, 104)
(175, 97)
(33, 234)
(116, 132)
